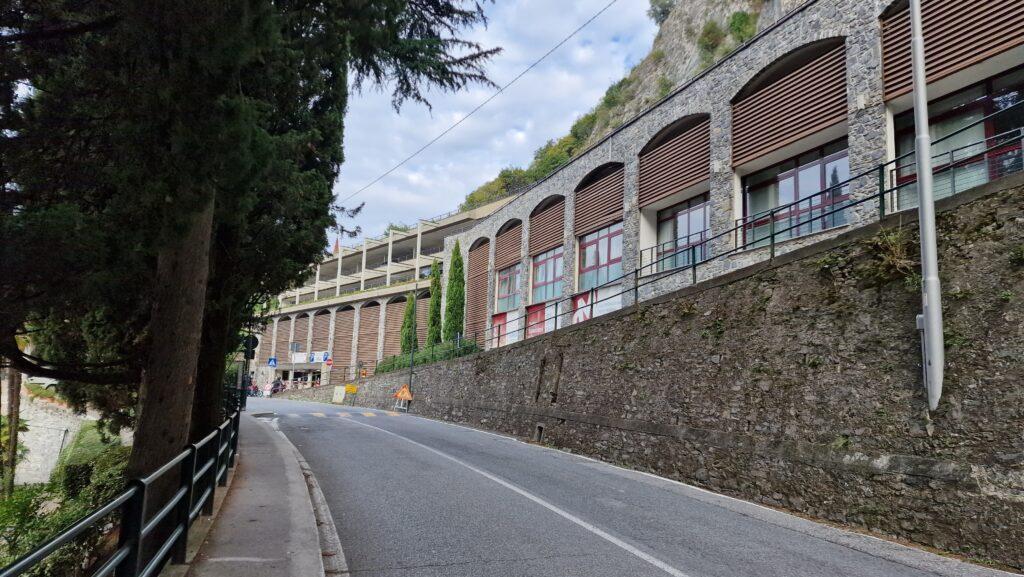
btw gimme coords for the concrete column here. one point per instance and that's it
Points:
(330, 344)
(491, 293)
(724, 184)
(419, 248)
(391, 244)
(362, 272)
(352, 371)
(291, 338)
(273, 340)
(569, 250)
(316, 284)
(630, 227)
(309, 332)
(524, 279)
(297, 293)
(337, 276)
(381, 318)
(867, 117)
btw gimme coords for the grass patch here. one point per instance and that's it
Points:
(40, 392)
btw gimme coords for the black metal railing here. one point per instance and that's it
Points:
(827, 209)
(673, 254)
(201, 468)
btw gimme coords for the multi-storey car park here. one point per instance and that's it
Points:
(800, 133)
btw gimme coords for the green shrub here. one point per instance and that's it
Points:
(664, 86)
(426, 355)
(75, 466)
(742, 26)
(36, 513)
(583, 127)
(711, 37)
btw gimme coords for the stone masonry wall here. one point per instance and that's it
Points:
(795, 383)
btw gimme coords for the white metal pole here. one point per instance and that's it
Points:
(932, 347)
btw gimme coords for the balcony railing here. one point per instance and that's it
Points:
(998, 155)
(673, 254)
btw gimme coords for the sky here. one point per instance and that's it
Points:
(538, 107)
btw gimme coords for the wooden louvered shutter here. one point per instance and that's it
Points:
(801, 103)
(599, 203)
(507, 247)
(284, 326)
(344, 323)
(321, 331)
(680, 162)
(366, 348)
(301, 331)
(547, 228)
(422, 311)
(957, 35)
(393, 317)
(476, 292)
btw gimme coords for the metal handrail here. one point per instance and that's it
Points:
(135, 526)
(881, 196)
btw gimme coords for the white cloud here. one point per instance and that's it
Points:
(542, 105)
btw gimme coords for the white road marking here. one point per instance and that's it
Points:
(554, 509)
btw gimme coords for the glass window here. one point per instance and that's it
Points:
(600, 256)
(798, 196)
(680, 227)
(972, 142)
(507, 289)
(546, 280)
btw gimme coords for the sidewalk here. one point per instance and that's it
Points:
(266, 526)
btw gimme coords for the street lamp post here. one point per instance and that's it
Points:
(930, 321)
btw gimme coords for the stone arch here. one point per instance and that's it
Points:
(546, 203)
(674, 129)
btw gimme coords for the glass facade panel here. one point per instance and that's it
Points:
(546, 280)
(968, 149)
(600, 257)
(682, 232)
(797, 197)
(507, 293)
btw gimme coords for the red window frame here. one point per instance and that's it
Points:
(513, 273)
(816, 201)
(907, 174)
(605, 235)
(680, 245)
(555, 255)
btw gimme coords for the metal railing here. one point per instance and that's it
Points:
(822, 211)
(672, 254)
(201, 468)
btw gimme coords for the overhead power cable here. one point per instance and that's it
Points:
(482, 104)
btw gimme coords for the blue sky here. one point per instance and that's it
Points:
(540, 106)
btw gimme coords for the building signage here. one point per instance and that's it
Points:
(298, 358)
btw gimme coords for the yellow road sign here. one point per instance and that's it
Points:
(351, 389)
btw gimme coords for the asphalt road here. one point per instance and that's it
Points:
(416, 497)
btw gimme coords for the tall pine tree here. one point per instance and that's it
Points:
(455, 299)
(409, 324)
(434, 311)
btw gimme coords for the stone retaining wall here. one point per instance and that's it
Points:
(795, 383)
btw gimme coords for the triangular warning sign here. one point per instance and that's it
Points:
(404, 394)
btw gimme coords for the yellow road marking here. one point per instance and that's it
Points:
(344, 415)
(391, 413)
(318, 414)
(369, 414)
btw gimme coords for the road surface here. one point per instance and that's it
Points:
(416, 497)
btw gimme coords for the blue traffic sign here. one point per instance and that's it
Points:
(327, 355)
(272, 362)
(312, 358)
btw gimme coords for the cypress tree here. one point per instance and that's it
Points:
(409, 325)
(455, 304)
(434, 311)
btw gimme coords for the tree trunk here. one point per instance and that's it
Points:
(168, 380)
(13, 408)
(207, 411)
